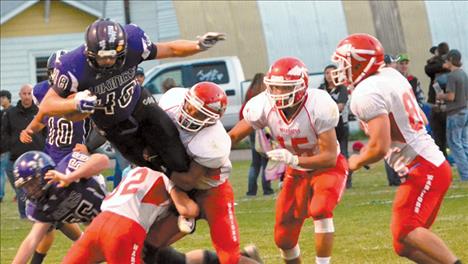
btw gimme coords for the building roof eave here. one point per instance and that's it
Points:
(17, 10)
(84, 7)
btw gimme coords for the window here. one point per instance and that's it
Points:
(41, 68)
(210, 72)
(155, 85)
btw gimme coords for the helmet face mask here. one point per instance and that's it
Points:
(286, 82)
(203, 106)
(29, 171)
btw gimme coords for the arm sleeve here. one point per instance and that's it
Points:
(451, 83)
(140, 42)
(65, 82)
(368, 106)
(326, 114)
(254, 111)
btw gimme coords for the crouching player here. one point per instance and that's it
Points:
(118, 233)
(50, 205)
(303, 122)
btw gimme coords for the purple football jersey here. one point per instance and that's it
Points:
(62, 134)
(79, 202)
(117, 90)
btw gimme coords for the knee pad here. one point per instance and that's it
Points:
(290, 254)
(209, 257)
(324, 226)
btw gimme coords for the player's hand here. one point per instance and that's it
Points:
(353, 163)
(85, 102)
(283, 155)
(209, 39)
(25, 136)
(81, 148)
(55, 176)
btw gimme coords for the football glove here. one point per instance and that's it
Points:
(209, 39)
(186, 225)
(283, 155)
(85, 102)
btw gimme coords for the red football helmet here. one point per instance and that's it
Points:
(358, 56)
(289, 76)
(204, 104)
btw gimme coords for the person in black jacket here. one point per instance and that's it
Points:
(5, 101)
(14, 121)
(435, 70)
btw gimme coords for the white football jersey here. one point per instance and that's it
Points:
(209, 146)
(388, 92)
(317, 113)
(143, 196)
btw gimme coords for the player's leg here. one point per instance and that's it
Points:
(328, 187)
(72, 231)
(217, 206)
(290, 215)
(416, 205)
(86, 249)
(43, 247)
(121, 239)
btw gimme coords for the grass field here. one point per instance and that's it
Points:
(361, 221)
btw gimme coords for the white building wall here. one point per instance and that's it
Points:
(448, 22)
(18, 64)
(308, 30)
(157, 19)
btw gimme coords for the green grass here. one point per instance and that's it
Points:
(361, 221)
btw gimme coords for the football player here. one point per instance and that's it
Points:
(196, 112)
(117, 234)
(384, 101)
(62, 136)
(51, 205)
(102, 74)
(303, 121)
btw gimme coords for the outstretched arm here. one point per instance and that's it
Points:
(183, 48)
(93, 166)
(240, 131)
(30, 243)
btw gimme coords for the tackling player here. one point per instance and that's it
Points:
(303, 122)
(383, 99)
(102, 74)
(50, 205)
(117, 234)
(196, 112)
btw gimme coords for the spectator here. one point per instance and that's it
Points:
(168, 84)
(403, 68)
(436, 72)
(259, 162)
(140, 76)
(456, 96)
(340, 95)
(5, 101)
(14, 121)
